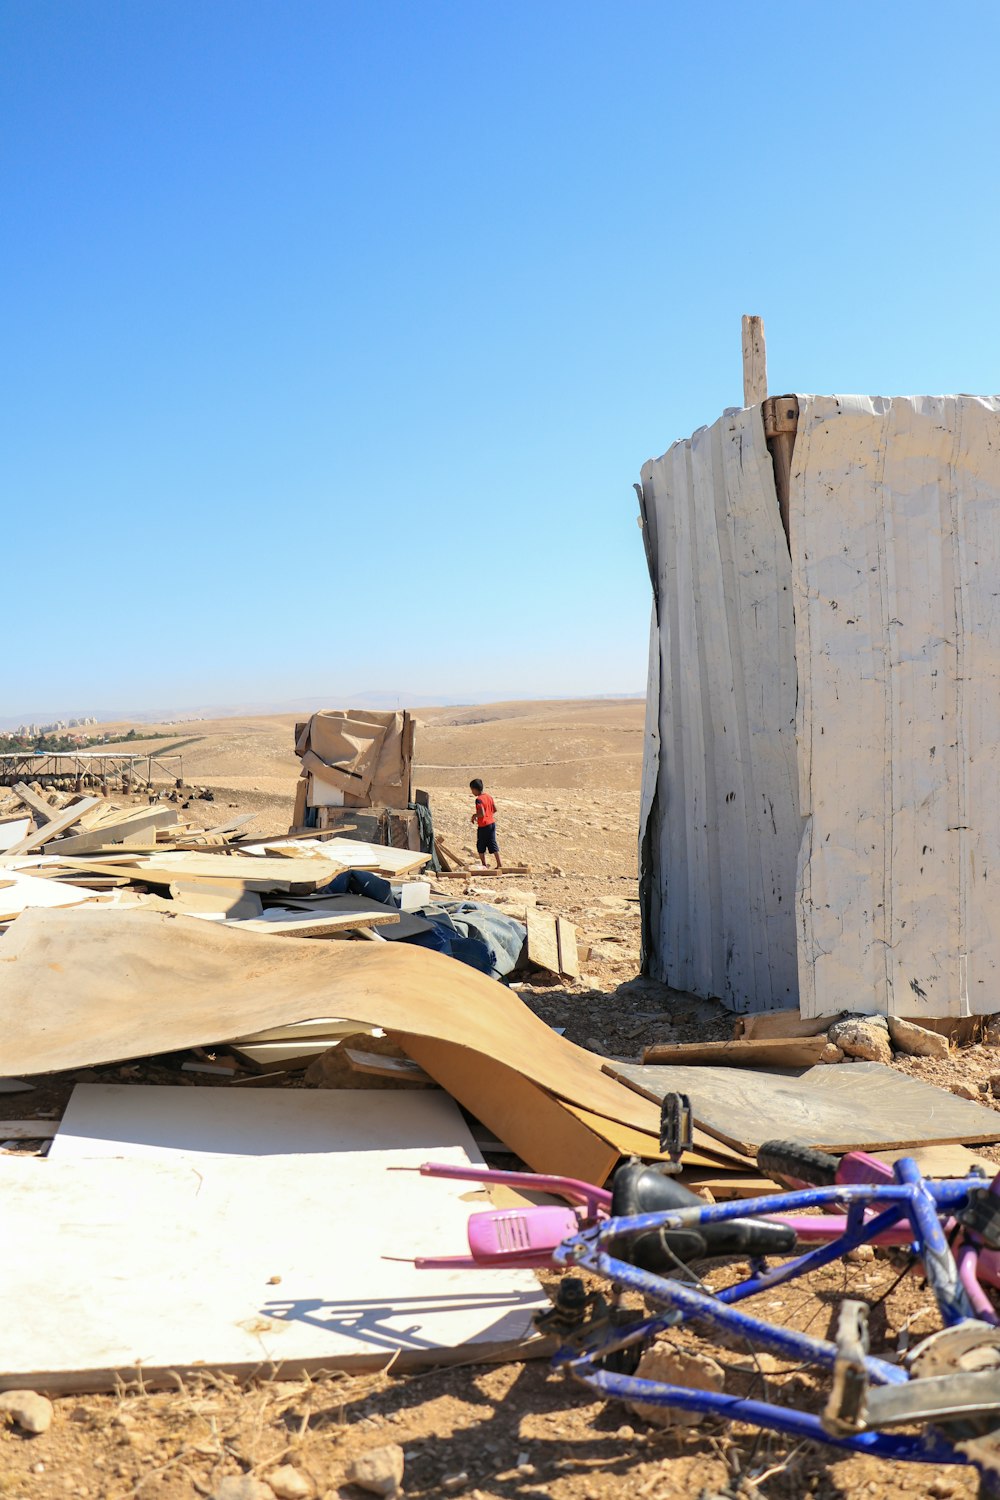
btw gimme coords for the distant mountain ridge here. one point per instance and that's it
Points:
(304, 704)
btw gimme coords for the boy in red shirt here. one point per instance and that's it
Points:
(485, 819)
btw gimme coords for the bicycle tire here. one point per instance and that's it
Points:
(791, 1159)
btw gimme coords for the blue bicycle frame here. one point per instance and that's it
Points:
(925, 1204)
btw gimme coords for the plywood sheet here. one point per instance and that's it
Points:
(163, 1122)
(188, 1263)
(19, 891)
(543, 941)
(895, 533)
(70, 983)
(857, 1105)
(721, 826)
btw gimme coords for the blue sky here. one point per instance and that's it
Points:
(335, 334)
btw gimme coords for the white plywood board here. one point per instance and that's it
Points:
(18, 891)
(13, 832)
(895, 531)
(721, 825)
(160, 1121)
(175, 1258)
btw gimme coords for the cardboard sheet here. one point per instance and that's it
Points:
(96, 985)
(172, 1261)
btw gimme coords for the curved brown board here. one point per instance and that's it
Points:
(93, 985)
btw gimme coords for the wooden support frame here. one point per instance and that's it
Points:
(781, 422)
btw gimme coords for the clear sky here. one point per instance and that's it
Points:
(335, 334)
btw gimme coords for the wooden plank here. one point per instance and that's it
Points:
(178, 1204)
(474, 872)
(852, 1106)
(57, 825)
(27, 1130)
(569, 960)
(303, 924)
(779, 1052)
(257, 873)
(228, 827)
(726, 1185)
(71, 984)
(229, 896)
(780, 1023)
(754, 361)
(543, 942)
(44, 810)
(122, 831)
(535, 1126)
(400, 1069)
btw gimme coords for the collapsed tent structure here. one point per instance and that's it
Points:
(820, 819)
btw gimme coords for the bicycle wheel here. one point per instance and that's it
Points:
(791, 1159)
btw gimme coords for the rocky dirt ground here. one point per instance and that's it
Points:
(566, 778)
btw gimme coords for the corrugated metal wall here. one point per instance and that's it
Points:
(895, 530)
(721, 826)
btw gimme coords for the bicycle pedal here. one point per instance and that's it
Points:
(846, 1410)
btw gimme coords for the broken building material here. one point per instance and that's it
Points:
(302, 1301)
(70, 980)
(779, 1052)
(860, 1106)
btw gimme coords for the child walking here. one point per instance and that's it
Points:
(485, 819)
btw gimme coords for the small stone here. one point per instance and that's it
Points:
(866, 1037)
(995, 1085)
(452, 1482)
(860, 1255)
(31, 1412)
(942, 1489)
(915, 1040)
(380, 1470)
(242, 1487)
(831, 1054)
(673, 1366)
(963, 1091)
(625, 1432)
(288, 1484)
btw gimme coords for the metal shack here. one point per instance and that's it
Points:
(821, 781)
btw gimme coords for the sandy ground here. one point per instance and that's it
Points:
(566, 780)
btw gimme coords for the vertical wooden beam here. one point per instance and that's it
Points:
(754, 361)
(781, 422)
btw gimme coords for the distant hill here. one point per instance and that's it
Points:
(306, 703)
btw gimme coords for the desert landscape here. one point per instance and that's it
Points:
(566, 780)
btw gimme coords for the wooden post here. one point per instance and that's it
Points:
(754, 361)
(781, 421)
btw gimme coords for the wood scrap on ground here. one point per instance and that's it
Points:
(860, 1106)
(780, 1052)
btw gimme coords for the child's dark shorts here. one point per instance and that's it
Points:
(486, 839)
